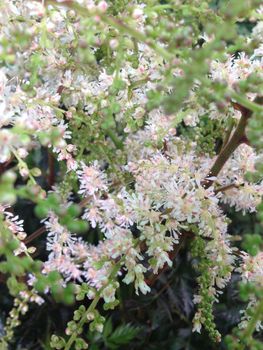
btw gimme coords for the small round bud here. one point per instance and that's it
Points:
(21, 236)
(35, 172)
(71, 14)
(99, 327)
(31, 250)
(102, 6)
(24, 172)
(9, 176)
(113, 44)
(22, 152)
(90, 316)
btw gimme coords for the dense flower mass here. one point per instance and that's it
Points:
(135, 135)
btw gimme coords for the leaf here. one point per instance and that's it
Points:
(121, 335)
(107, 329)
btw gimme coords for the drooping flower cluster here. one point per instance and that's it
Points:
(251, 272)
(15, 225)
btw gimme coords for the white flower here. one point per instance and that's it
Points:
(92, 180)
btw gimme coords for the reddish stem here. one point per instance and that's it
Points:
(236, 139)
(3, 166)
(35, 234)
(227, 187)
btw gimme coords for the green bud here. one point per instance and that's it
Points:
(35, 172)
(77, 226)
(41, 211)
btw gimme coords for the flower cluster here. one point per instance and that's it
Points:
(15, 225)
(251, 272)
(98, 95)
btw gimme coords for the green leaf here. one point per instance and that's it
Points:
(107, 330)
(121, 335)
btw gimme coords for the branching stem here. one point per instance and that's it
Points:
(236, 139)
(91, 308)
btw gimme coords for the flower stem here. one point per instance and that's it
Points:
(253, 106)
(83, 319)
(257, 315)
(23, 164)
(226, 188)
(247, 108)
(92, 307)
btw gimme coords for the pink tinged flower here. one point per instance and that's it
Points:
(113, 44)
(80, 249)
(102, 6)
(108, 228)
(93, 215)
(22, 248)
(37, 299)
(92, 180)
(71, 163)
(16, 227)
(96, 278)
(108, 294)
(24, 171)
(69, 115)
(22, 152)
(35, 8)
(137, 13)
(74, 273)
(124, 220)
